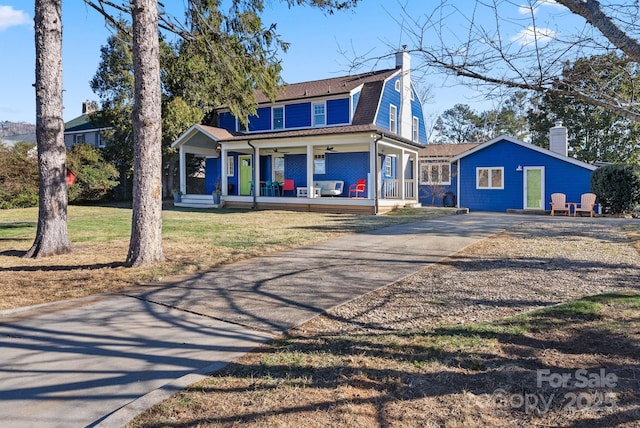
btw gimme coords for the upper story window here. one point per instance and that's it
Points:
(398, 85)
(277, 118)
(490, 178)
(393, 118)
(319, 114)
(415, 129)
(242, 127)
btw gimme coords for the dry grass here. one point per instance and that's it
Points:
(434, 350)
(193, 240)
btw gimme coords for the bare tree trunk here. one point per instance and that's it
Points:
(52, 236)
(145, 246)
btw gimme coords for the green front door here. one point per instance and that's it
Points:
(534, 187)
(246, 173)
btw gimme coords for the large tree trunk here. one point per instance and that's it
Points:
(145, 246)
(51, 236)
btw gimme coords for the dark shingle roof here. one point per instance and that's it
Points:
(225, 136)
(325, 87)
(82, 123)
(445, 150)
(368, 103)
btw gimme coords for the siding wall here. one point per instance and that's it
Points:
(389, 96)
(338, 111)
(212, 168)
(560, 176)
(227, 121)
(297, 115)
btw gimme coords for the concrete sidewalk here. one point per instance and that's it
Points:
(99, 361)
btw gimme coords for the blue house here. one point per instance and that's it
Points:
(346, 144)
(506, 173)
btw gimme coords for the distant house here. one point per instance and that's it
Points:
(309, 149)
(506, 173)
(84, 130)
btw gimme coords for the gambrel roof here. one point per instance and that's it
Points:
(325, 87)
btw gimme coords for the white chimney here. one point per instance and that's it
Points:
(558, 140)
(403, 62)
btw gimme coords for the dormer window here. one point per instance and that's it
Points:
(319, 114)
(277, 114)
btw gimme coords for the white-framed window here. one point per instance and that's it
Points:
(319, 114)
(231, 166)
(490, 178)
(100, 141)
(413, 97)
(388, 170)
(415, 134)
(241, 127)
(277, 116)
(435, 172)
(79, 139)
(319, 164)
(393, 118)
(398, 85)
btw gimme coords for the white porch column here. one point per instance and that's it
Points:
(183, 170)
(373, 171)
(401, 168)
(256, 170)
(310, 193)
(416, 189)
(224, 172)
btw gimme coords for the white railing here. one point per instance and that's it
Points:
(409, 192)
(391, 189)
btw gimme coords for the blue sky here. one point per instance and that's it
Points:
(316, 41)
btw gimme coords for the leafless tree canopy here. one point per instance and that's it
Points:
(526, 44)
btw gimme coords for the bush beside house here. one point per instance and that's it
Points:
(617, 187)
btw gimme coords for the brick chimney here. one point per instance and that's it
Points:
(558, 139)
(89, 107)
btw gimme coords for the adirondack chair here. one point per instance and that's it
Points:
(559, 204)
(586, 205)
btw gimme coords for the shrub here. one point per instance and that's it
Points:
(617, 187)
(94, 177)
(18, 178)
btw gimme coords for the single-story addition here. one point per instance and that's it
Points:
(502, 174)
(506, 173)
(345, 144)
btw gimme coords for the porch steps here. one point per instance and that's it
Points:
(196, 201)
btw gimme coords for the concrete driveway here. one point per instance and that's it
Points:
(100, 361)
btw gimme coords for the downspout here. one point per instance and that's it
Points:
(375, 175)
(253, 174)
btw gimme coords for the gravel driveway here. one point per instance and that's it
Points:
(535, 263)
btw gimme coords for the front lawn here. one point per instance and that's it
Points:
(193, 240)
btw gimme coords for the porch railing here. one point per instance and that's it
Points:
(391, 189)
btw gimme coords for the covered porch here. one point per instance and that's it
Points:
(313, 173)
